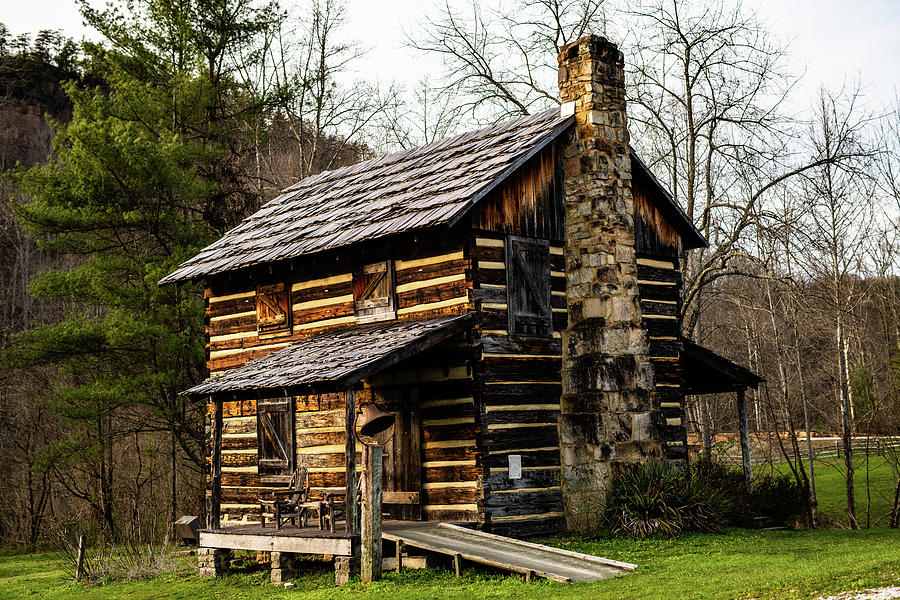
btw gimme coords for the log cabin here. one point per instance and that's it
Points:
(511, 295)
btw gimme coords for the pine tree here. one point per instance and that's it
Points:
(147, 172)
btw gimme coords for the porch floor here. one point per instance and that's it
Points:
(301, 540)
(286, 530)
(453, 540)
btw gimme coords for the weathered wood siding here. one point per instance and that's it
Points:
(426, 286)
(654, 235)
(518, 391)
(529, 202)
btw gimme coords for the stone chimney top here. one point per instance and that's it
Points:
(592, 77)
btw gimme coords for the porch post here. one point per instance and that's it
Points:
(371, 515)
(745, 437)
(215, 501)
(350, 455)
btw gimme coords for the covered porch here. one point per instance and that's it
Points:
(347, 364)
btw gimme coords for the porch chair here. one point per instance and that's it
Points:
(290, 503)
(335, 506)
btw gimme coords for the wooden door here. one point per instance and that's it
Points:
(403, 457)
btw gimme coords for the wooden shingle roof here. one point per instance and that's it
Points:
(332, 360)
(424, 187)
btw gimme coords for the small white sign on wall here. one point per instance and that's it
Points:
(515, 466)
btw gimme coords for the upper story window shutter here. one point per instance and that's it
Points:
(373, 292)
(273, 308)
(528, 286)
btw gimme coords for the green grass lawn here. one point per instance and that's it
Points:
(739, 564)
(832, 495)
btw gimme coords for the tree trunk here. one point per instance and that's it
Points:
(847, 430)
(813, 501)
(797, 470)
(105, 475)
(173, 513)
(705, 427)
(895, 506)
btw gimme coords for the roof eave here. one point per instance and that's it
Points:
(741, 377)
(445, 331)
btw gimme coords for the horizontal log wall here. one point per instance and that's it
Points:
(320, 438)
(518, 391)
(658, 245)
(426, 287)
(659, 285)
(451, 461)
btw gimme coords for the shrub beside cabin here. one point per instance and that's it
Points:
(510, 294)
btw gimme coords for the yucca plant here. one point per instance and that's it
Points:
(655, 499)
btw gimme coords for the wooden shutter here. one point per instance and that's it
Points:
(275, 436)
(273, 310)
(373, 292)
(528, 286)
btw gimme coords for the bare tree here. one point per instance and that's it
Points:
(501, 61)
(424, 117)
(888, 162)
(835, 233)
(317, 119)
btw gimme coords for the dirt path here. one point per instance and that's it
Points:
(886, 593)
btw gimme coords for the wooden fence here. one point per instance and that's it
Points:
(823, 448)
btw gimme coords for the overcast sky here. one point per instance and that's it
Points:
(832, 40)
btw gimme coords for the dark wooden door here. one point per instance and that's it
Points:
(403, 457)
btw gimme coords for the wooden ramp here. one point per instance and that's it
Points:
(526, 558)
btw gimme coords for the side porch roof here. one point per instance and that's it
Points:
(331, 361)
(705, 372)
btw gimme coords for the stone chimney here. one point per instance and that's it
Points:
(606, 373)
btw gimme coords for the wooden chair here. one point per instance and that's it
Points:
(290, 503)
(335, 505)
